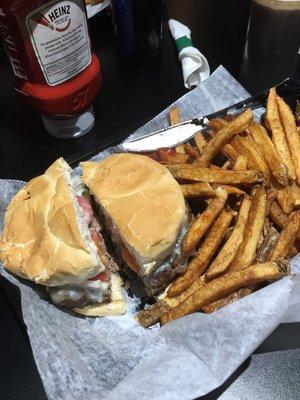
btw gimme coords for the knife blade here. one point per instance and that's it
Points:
(180, 133)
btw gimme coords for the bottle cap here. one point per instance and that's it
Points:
(70, 127)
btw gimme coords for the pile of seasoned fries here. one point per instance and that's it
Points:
(246, 178)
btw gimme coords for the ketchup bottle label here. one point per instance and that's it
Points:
(59, 36)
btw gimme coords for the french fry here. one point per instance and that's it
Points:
(278, 135)
(229, 117)
(240, 163)
(290, 129)
(202, 223)
(293, 251)
(226, 165)
(230, 248)
(276, 214)
(225, 285)
(174, 115)
(180, 149)
(215, 167)
(233, 190)
(200, 141)
(197, 189)
(266, 147)
(265, 249)
(245, 147)
(174, 119)
(229, 189)
(257, 155)
(262, 255)
(191, 151)
(216, 305)
(227, 150)
(260, 239)
(170, 156)
(266, 227)
(271, 194)
(174, 301)
(252, 230)
(217, 124)
(152, 315)
(295, 189)
(199, 263)
(285, 198)
(199, 163)
(223, 136)
(287, 237)
(200, 174)
(230, 152)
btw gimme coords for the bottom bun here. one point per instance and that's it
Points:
(116, 305)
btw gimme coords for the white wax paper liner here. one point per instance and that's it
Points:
(114, 358)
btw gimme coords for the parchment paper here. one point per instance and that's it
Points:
(114, 358)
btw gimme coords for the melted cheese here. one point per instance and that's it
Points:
(94, 291)
(77, 184)
(171, 267)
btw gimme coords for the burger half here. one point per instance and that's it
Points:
(52, 238)
(143, 209)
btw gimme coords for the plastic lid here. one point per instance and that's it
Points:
(70, 127)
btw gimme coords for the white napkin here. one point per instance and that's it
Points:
(195, 67)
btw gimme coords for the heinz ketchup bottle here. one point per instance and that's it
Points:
(55, 71)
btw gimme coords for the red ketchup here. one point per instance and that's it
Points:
(55, 71)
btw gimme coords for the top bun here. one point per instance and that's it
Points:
(143, 202)
(44, 237)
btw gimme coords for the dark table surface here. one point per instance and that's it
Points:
(127, 100)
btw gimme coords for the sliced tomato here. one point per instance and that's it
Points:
(130, 260)
(86, 207)
(103, 276)
(101, 249)
(97, 239)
